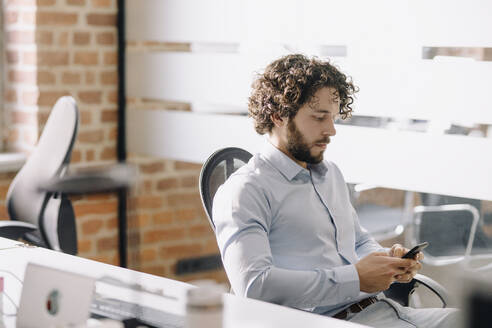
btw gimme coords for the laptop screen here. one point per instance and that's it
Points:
(52, 297)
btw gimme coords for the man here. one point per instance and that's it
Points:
(284, 223)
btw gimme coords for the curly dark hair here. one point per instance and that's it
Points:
(290, 82)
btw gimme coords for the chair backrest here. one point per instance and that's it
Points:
(52, 213)
(437, 200)
(449, 229)
(216, 170)
(451, 232)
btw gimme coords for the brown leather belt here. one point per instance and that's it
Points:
(356, 307)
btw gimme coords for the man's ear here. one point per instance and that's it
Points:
(277, 120)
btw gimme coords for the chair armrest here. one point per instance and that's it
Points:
(15, 229)
(401, 292)
(435, 287)
(92, 180)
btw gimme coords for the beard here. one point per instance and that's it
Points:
(299, 148)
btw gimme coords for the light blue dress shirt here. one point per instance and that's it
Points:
(290, 235)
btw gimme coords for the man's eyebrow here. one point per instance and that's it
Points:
(323, 111)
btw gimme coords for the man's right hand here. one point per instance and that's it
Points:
(378, 270)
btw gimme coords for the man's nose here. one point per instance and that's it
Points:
(330, 129)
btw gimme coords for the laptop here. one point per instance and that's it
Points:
(54, 298)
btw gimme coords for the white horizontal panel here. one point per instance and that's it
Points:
(183, 20)
(209, 78)
(374, 27)
(216, 82)
(272, 20)
(385, 88)
(453, 90)
(443, 164)
(213, 20)
(190, 137)
(454, 22)
(456, 91)
(398, 24)
(326, 21)
(219, 79)
(285, 21)
(423, 89)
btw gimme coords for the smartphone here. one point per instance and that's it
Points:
(413, 252)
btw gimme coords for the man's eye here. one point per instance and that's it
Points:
(320, 118)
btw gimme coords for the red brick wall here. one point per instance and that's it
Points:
(167, 219)
(55, 48)
(59, 47)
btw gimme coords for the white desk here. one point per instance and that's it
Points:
(238, 311)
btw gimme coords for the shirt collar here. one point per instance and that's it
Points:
(286, 165)
(320, 168)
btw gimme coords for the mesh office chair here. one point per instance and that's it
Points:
(222, 163)
(453, 228)
(43, 218)
(216, 170)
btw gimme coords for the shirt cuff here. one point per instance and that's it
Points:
(384, 249)
(349, 285)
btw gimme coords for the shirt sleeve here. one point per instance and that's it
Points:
(364, 242)
(243, 219)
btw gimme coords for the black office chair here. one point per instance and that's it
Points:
(44, 218)
(222, 163)
(215, 171)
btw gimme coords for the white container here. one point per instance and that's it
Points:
(204, 308)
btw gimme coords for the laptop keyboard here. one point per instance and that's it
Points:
(124, 311)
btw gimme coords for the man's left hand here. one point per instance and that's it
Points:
(398, 250)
